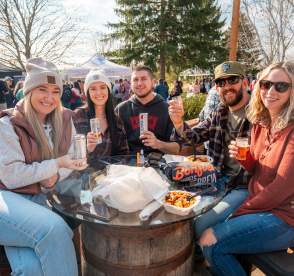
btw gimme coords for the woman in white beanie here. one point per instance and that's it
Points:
(99, 99)
(35, 141)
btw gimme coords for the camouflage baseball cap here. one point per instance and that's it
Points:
(228, 68)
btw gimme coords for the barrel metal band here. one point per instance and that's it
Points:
(152, 269)
(127, 232)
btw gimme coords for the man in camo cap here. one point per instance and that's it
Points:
(225, 123)
(228, 77)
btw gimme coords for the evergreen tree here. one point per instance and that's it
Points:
(172, 34)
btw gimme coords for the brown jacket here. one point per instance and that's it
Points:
(28, 144)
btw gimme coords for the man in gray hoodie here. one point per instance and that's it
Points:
(145, 100)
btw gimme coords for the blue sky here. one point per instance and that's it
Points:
(94, 13)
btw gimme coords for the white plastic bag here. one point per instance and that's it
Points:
(130, 189)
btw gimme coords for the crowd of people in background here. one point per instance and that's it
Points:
(73, 96)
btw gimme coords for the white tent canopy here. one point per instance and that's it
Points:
(110, 69)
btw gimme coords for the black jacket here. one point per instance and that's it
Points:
(158, 121)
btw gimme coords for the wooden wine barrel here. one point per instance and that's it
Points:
(137, 251)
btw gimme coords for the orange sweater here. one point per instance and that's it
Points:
(271, 163)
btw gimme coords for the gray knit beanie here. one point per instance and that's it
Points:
(94, 76)
(40, 71)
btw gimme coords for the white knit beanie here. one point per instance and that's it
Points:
(40, 71)
(94, 76)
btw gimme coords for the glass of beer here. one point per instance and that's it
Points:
(80, 147)
(243, 147)
(178, 100)
(96, 129)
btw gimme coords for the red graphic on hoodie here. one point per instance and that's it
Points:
(152, 122)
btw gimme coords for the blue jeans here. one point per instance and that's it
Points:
(252, 233)
(221, 211)
(37, 241)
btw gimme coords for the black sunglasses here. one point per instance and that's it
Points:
(230, 80)
(280, 86)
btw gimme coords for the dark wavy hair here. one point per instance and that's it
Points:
(110, 117)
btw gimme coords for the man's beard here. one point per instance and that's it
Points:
(142, 96)
(238, 98)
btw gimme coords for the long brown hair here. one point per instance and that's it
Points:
(258, 113)
(110, 117)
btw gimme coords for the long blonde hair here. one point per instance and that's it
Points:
(55, 119)
(258, 113)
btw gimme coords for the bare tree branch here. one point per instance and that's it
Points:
(30, 28)
(273, 21)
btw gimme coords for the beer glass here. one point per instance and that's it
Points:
(80, 146)
(243, 147)
(178, 100)
(96, 129)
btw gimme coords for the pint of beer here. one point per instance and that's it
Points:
(178, 100)
(80, 147)
(243, 147)
(96, 129)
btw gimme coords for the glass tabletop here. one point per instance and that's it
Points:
(72, 197)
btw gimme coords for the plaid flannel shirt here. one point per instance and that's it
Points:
(213, 130)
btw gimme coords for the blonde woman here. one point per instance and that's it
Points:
(35, 142)
(265, 220)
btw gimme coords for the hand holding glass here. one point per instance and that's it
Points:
(178, 99)
(96, 129)
(242, 144)
(176, 111)
(79, 159)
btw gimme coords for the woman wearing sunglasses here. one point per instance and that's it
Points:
(35, 146)
(265, 220)
(113, 140)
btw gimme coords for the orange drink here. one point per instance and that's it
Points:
(243, 147)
